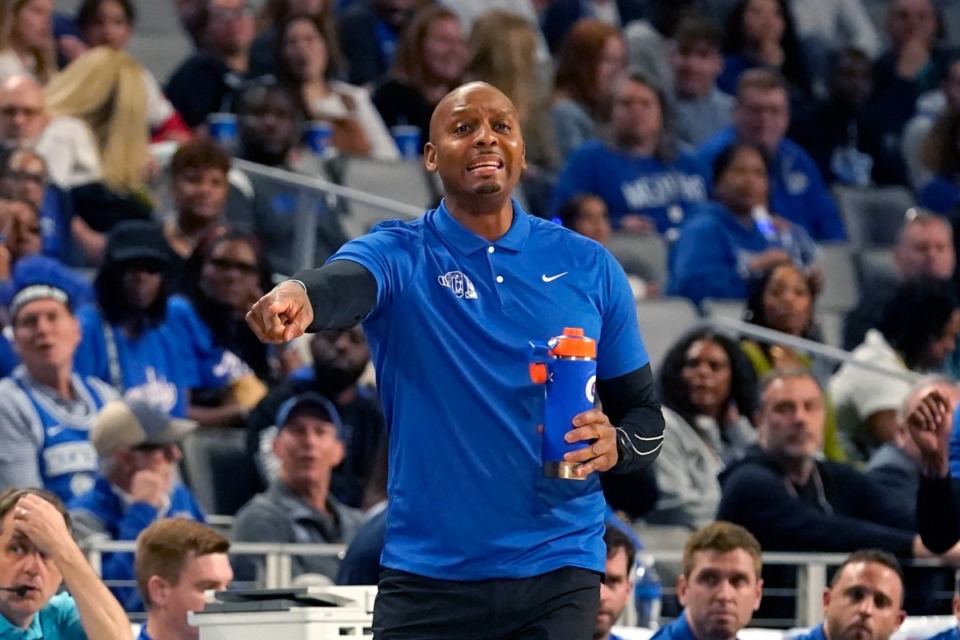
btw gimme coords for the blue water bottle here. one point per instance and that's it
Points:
(567, 367)
(648, 593)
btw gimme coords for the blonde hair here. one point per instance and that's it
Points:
(105, 89)
(503, 50)
(43, 56)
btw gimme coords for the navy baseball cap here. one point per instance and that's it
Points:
(312, 404)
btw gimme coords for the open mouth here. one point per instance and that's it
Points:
(485, 165)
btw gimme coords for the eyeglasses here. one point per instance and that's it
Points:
(146, 265)
(11, 110)
(223, 264)
(149, 448)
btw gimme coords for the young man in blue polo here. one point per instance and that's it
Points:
(720, 587)
(479, 543)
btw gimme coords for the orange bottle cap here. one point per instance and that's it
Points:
(573, 344)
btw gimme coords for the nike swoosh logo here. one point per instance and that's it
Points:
(53, 432)
(547, 278)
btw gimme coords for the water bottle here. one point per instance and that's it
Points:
(761, 218)
(567, 367)
(647, 593)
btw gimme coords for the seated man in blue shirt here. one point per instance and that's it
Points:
(39, 554)
(720, 587)
(137, 446)
(761, 116)
(177, 560)
(864, 601)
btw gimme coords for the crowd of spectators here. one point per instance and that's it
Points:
(125, 273)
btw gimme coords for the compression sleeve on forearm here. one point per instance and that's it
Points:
(341, 293)
(630, 403)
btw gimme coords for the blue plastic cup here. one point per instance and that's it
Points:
(318, 137)
(407, 137)
(223, 129)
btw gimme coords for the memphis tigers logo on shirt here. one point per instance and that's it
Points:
(459, 283)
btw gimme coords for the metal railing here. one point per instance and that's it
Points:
(826, 351)
(312, 192)
(811, 567)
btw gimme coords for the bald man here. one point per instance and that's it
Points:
(65, 143)
(479, 543)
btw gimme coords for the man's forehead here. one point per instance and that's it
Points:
(874, 575)
(22, 96)
(706, 559)
(793, 388)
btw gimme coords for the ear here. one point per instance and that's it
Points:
(759, 594)
(430, 157)
(157, 587)
(682, 590)
(275, 445)
(826, 598)
(338, 453)
(523, 157)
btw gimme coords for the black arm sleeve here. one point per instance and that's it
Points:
(630, 403)
(938, 515)
(341, 293)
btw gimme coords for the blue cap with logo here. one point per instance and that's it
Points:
(312, 404)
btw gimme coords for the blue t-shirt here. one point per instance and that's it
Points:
(158, 366)
(940, 196)
(450, 338)
(710, 258)
(124, 520)
(58, 620)
(797, 190)
(817, 633)
(953, 633)
(216, 367)
(631, 184)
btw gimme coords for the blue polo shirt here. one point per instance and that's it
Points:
(817, 633)
(58, 620)
(953, 633)
(450, 341)
(679, 629)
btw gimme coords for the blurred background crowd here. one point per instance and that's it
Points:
(794, 164)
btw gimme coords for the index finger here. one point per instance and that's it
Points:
(260, 322)
(590, 416)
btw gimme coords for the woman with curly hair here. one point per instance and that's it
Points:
(782, 298)
(708, 391)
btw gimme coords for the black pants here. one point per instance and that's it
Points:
(560, 605)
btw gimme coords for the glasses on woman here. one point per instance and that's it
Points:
(225, 264)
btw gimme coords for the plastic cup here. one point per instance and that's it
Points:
(223, 129)
(318, 136)
(407, 137)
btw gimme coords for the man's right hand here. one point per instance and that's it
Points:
(929, 426)
(150, 487)
(281, 315)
